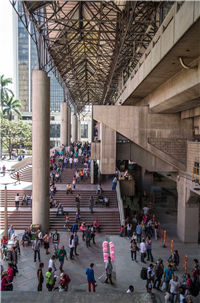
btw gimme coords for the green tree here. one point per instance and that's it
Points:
(14, 134)
(11, 105)
(4, 89)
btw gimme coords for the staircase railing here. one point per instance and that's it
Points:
(120, 204)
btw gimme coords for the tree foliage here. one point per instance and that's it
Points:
(15, 134)
(11, 104)
(4, 83)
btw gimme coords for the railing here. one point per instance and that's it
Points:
(120, 204)
(22, 163)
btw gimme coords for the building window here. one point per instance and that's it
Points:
(26, 118)
(84, 131)
(52, 118)
(54, 130)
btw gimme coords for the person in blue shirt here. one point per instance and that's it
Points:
(90, 277)
(75, 227)
(168, 275)
(11, 231)
(139, 231)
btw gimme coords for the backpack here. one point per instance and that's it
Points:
(143, 274)
(194, 290)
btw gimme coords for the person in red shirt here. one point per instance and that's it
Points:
(5, 283)
(121, 231)
(195, 274)
(4, 242)
(10, 273)
(96, 225)
(64, 280)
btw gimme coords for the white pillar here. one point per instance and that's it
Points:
(41, 147)
(64, 124)
(79, 129)
(69, 125)
(74, 128)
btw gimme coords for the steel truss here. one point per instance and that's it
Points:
(90, 45)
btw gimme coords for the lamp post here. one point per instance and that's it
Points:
(5, 183)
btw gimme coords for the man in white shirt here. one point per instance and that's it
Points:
(142, 250)
(52, 264)
(174, 286)
(130, 290)
(71, 162)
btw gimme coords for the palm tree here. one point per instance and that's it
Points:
(4, 89)
(11, 105)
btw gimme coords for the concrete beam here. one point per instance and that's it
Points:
(179, 93)
(190, 113)
(107, 150)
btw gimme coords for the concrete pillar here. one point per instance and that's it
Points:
(107, 150)
(41, 142)
(79, 129)
(69, 125)
(64, 124)
(74, 128)
(188, 213)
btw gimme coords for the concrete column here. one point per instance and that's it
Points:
(74, 128)
(107, 150)
(79, 129)
(188, 213)
(41, 142)
(64, 124)
(69, 125)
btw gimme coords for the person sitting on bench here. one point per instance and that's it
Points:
(25, 237)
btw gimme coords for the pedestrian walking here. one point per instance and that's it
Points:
(91, 204)
(62, 254)
(158, 274)
(56, 240)
(52, 264)
(156, 230)
(17, 200)
(88, 236)
(71, 246)
(139, 231)
(75, 242)
(109, 268)
(133, 247)
(40, 277)
(46, 242)
(143, 250)
(148, 249)
(129, 228)
(67, 221)
(90, 277)
(36, 248)
(92, 233)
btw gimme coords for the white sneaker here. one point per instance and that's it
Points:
(68, 229)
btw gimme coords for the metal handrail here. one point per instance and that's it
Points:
(120, 204)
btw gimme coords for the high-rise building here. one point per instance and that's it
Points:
(27, 62)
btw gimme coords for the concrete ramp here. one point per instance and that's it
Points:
(138, 125)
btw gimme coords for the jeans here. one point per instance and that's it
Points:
(71, 165)
(87, 242)
(61, 263)
(69, 190)
(57, 212)
(81, 178)
(66, 165)
(133, 253)
(91, 208)
(83, 235)
(174, 297)
(142, 257)
(167, 284)
(157, 279)
(139, 237)
(149, 255)
(89, 286)
(143, 233)
(121, 234)
(92, 238)
(75, 164)
(156, 232)
(113, 186)
(109, 277)
(35, 255)
(71, 252)
(128, 233)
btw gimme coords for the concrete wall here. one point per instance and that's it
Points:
(146, 180)
(108, 150)
(127, 188)
(133, 152)
(95, 150)
(177, 148)
(193, 155)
